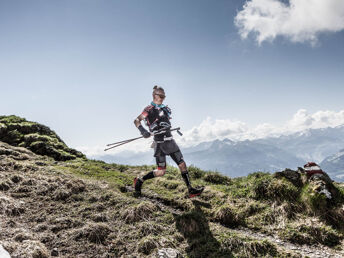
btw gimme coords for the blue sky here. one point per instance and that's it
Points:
(87, 68)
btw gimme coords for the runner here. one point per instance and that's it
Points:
(157, 116)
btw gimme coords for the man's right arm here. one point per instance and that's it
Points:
(142, 130)
(138, 120)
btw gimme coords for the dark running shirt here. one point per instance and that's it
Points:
(155, 115)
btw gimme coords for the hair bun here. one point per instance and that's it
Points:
(155, 87)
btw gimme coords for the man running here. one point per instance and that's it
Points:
(157, 116)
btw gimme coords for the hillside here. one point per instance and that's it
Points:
(80, 207)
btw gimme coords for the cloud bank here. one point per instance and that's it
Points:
(212, 129)
(299, 20)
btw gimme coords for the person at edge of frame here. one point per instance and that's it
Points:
(157, 116)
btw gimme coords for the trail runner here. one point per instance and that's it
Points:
(157, 116)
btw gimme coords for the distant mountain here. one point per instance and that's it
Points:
(334, 166)
(242, 157)
(312, 144)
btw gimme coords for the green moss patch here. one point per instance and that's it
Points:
(38, 138)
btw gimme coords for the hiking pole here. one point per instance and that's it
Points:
(163, 130)
(133, 139)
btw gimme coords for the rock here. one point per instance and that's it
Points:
(291, 175)
(323, 177)
(168, 253)
(321, 183)
(54, 252)
(4, 253)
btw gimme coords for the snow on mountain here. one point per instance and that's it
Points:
(238, 158)
(334, 165)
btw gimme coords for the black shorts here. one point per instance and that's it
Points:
(167, 148)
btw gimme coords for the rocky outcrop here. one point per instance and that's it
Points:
(38, 138)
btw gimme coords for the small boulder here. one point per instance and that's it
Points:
(4, 253)
(168, 253)
(291, 175)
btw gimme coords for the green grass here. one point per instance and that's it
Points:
(99, 170)
(258, 201)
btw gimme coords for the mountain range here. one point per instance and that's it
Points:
(239, 158)
(334, 165)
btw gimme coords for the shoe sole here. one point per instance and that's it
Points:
(194, 195)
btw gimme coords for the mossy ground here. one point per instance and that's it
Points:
(38, 138)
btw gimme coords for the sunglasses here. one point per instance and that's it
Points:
(161, 96)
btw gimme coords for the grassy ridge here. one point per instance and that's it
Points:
(259, 201)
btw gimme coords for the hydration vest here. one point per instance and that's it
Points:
(157, 117)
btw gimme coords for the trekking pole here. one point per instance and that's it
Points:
(163, 130)
(133, 139)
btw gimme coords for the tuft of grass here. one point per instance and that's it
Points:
(141, 212)
(311, 234)
(217, 178)
(147, 245)
(227, 215)
(196, 172)
(279, 189)
(314, 201)
(94, 232)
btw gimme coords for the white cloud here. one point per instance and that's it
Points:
(321, 119)
(212, 129)
(299, 21)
